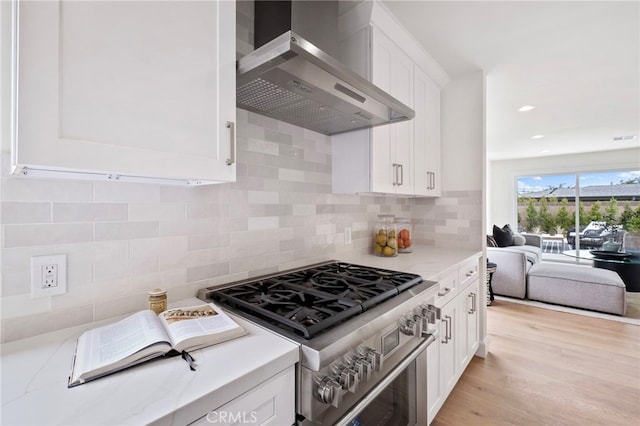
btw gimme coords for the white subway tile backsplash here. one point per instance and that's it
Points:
(25, 212)
(144, 256)
(89, 212)
(263, 197)
(40, 235)
(261, 223)
(22, 305)
(117, 192)
(125, 230)
(26, 189)
(165, 211)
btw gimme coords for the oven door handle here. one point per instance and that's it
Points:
(388, 379)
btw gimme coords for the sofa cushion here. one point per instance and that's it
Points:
(532, 253)
(519, 240)
(503, 236)
(578, 286)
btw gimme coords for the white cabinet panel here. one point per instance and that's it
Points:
(448, 346)
(140, 89)
(392, 152)
(434, 388)
(427, 136)
(271, 403)
(469, 325)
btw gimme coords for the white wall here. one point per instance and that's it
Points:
(463, 132)
(501, 176)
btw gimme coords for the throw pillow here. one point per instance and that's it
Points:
(491, 242)
(503, 236)
(519, 240)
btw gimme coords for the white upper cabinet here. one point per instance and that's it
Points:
(125, 90)
(400, 158)
(392, 145)
(426, 125)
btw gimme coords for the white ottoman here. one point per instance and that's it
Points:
(577, 286)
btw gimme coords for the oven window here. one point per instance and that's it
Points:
(395, 406)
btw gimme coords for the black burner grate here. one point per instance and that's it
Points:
(310, 301)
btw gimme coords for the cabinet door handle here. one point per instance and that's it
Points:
(232, 142)
(446, 329)
(449, 328)
(395, 173)
(433, 180)
(401, 167)
(473, 303)
(446, 290)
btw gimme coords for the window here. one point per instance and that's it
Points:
(602, 202)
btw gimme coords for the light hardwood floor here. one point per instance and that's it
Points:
(549, 368)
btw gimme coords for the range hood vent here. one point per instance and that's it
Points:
(292, 80)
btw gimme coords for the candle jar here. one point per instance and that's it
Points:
(158, 300)
(385, 236)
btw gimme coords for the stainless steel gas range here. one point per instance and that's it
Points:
(363, 334)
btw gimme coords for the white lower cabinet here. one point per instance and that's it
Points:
(459, 328)
(270, 403)
(468, 324)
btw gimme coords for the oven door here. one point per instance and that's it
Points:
(400, 397)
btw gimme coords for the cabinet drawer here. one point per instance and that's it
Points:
(448, 288)
(467, 272)
(270, 403)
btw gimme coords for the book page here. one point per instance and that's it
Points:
(108, 344)
(199, 325)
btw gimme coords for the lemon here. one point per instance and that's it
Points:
(377, 248)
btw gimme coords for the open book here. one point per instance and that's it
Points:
(146, 335)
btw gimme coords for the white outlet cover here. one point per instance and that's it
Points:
(37, 263)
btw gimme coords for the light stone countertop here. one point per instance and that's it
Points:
(428, 262)
(34, 373)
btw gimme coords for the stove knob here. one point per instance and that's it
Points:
(347, 377)
(363, 367)
(408, 325)
(420, 311)
(374, 357)
(328, 391)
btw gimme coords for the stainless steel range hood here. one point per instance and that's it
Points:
(290, 79)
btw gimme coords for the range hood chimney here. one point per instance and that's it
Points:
(292, 77)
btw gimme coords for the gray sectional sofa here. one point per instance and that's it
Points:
(520, 273)
(513, 264)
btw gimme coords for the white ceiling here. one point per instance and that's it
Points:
(577, 62)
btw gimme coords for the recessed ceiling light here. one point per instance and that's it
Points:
(537, 136)
(624, 138)
(525, 108)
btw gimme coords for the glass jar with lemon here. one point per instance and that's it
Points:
(385, 236)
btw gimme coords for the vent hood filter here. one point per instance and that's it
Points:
(291, 80)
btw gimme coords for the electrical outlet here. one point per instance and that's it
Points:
(347, 235)
(48, 275)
